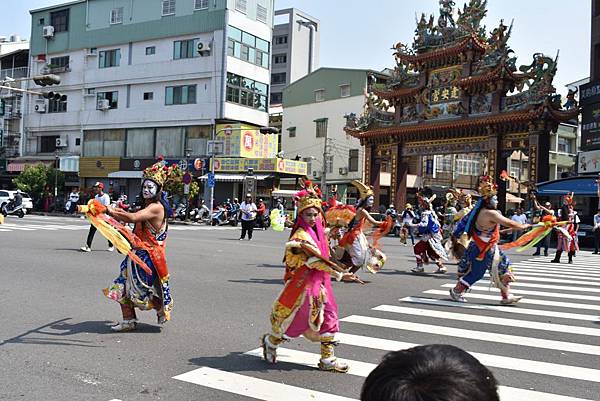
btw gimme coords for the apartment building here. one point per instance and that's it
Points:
(145, 78)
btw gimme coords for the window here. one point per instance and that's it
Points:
(329, 164)
(184, 49)
(466, 164)
(91, 91)
(278, 78)
(261, 13)
(246, 92)
(42, 21)
(281, 40)
(148, 95)
(240, 5)
(292, 132)
(248, 47)
(140, 142)
(110, 58)
(150, 50)
(55, 106)
(276, 97)
(184, 94)
(77, 141)
(48, 143)
(279, 58)
(170, 141)
(60, 20)
(197, 138)
(321, 128)
(308, 161)
(200, 4)
(168, 7)
(112, 97)
(344, 90)
(564, 145)
(113, 142)
(353, 160)
(59, 64)
(319, 95)
(116, 15)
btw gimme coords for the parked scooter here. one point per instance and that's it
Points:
(10, 209)
(180, 212)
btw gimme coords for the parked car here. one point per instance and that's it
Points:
(6, 196)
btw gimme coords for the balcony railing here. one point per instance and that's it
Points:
(14, 73)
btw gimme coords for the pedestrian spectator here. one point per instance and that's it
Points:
(260, 214)
(546, 210)
(104, 199)
(430, 373)
(520, 218)
(248, 210)
(46, 199)
(71, 205)
(597, 232)
(408, 217)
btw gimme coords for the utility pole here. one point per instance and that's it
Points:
(325, 165)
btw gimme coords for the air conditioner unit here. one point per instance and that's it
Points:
(62, 141)
(40, 106)
(343, 170)
(202, 47)
(48, 31)
(103, 104)
(316, 174)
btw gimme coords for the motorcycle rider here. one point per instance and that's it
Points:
(17, 200)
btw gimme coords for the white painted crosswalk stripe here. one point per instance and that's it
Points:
(587, 265)
(545, 268)
(531, 301)
(547, 286)
(535, 293)
(475, 334)
(252, 387)
(549, 274)
(526, 277)
(503, 309)
(362, 369)
(490, 360)
(493, 320)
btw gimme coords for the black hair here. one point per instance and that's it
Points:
(434, 372)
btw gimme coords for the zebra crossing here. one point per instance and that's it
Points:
(25, 226)
(550, 337)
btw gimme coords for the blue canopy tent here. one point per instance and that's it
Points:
(583, 185)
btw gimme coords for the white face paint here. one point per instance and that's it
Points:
(370, 201)
(149, 189)
(494, 202)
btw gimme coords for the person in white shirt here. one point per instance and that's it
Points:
(103, 198)
(520, 218)
(71, 205)
(248, 210)
(596, 232)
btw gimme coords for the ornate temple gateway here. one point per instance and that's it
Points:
(458, 90)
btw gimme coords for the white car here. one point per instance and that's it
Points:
(6, 196)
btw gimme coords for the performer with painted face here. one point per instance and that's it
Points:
(457, 245)
(307, 306)
(355, 241)
(136, 287)
(483, 254)
(567, 236)
(430, 246)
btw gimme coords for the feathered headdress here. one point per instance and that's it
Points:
(426, 197)
(364, 189)
(159, 172)
(487, 187)
(309, 196)
(340, 215)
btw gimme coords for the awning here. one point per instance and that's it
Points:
(584, 185)
(17, 167)
(235, 177)
(126, 174)
(510, 198)
(285, 193)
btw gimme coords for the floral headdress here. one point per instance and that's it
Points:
(487, 187)
(309, 196)
(159, 172)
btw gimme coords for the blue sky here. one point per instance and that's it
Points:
(359, 34)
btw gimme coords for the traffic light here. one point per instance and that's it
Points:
(58, 97)
(46, 80)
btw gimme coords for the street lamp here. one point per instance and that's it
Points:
(212, 152)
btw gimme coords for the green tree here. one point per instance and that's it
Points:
(35, 178)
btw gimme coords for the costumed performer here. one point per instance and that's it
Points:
(483, 225)
(135, 287)
(456, 246)
(567, 236)
(306, 305)
(430, 245)
(355, 241)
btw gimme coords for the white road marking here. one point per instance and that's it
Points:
(475, 334)
(546, 267)
(526, 277)
(550, 274)
(497, 308)
(531, 301)
(362, 369)
(547, 286)
(535, 293)
(252, 387)
(464, 317)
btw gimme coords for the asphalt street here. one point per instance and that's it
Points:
(56, 344)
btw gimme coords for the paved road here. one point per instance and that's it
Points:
(55, 342)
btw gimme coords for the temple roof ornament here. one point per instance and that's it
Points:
(457, 74)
